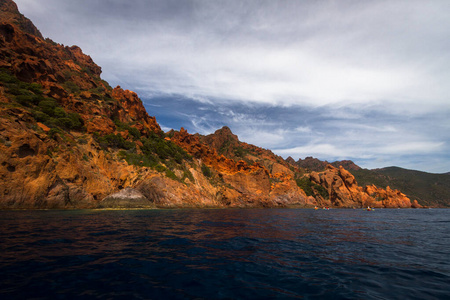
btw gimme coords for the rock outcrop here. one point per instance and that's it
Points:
(344, 191)
(244, 180)
(126, 198)
(390, 198)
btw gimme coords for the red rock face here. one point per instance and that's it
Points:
(345, 192)
(391, 198)
(41, 171)
(133, 107)
(245, 183)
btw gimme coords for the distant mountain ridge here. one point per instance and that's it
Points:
(69, 140)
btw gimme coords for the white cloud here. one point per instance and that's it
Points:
(303, 129)
(315, 150)
(418, 147)
(286, 53)
(263, 138)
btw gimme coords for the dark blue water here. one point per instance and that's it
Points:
(225, 254)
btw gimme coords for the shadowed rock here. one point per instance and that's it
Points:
(126, 198)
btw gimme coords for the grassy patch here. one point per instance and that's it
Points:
(114, 141)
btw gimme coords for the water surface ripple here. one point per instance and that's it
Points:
(225, 254)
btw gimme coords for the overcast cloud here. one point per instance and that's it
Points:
(360, 80)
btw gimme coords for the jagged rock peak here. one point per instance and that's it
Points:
(10, 12)
(8, 6)
(223, 140)
(312, 164)
(225, 131)
(290, 160)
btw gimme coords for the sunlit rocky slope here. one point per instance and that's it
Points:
(428, 188)
(69, 140)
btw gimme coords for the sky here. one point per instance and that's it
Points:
(361, 80)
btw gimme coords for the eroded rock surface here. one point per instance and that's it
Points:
(126, 198)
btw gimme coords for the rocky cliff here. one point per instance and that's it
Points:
(344, 191)
(69, 140)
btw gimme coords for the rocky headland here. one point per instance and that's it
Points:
(69, 140)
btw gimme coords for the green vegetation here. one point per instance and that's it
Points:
(114, 141)
(51, 114)
(97, 90)
(240, 152)
(187, 174)
(85, 69)
(166, 150)
(157, 153)
(225, 146)
(7, 78)
(43, 109)
(54, 132)
(153, 161)
(101, 92)
(72, 87)
(310, 187)
(26, 94)
(170, 174)
(133, 131)
(206, 171)
(132, 158)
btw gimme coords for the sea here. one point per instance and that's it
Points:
(225, 254)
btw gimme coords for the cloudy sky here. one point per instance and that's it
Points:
(362, 80)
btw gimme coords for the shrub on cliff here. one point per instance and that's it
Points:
(310, 188)
(206, 171)
(48, 107)
(141, 160)
(24, 93)
(133, 131)
(77, 121)
(72, 87)
(27, 100)
(6, 77)
(115, 141)
(164, 149)
(44, 110)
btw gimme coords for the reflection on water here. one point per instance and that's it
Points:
(215, 254)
